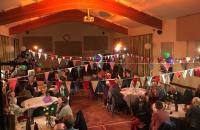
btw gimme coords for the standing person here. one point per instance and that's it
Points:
(197, 92)
(176, 95)
(32, 85)
(193, 114)
(153, 95)
(158, 117)
(63, 109)
(63, 87)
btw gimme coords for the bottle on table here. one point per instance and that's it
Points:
(28, 124)
(36, 126)
(176, 106)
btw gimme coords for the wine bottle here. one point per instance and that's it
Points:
(28, 124)
(176, 106)
(36, 126)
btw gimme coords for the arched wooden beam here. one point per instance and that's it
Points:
(51, 6)
(65, 16)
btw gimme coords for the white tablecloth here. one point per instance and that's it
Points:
(172, 113)
(37, 102)
(133, 91)
(130, 94)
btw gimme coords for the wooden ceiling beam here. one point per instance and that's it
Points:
(46, 7)
(66, 16)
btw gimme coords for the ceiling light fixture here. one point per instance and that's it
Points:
(88, 18)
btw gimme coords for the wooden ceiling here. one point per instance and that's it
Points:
(65, 16)
(46, 7)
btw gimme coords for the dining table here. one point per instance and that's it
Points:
(178, 117)
(131, 94)
(36, 102)
(170, 108)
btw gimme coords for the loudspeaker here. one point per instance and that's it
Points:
(159, 32)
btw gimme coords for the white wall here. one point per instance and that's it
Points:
(181, 48)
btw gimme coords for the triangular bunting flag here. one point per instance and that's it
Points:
(33, 54)
(56, 56)
(91, 64)
(45, 56)
(46, 75)
(166, 65)
(184, 74)
(190, 72)
(70, 69)
(163, 78)
(59, 60)
(52, 57)
(12, 83)
(74, 62)
(39, 55)
(142, 80)
(178, 74)
(149, 79)
(112, 65)
(86, 67)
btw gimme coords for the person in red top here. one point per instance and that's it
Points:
(158, 117)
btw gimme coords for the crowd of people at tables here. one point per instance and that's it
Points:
(141, 108)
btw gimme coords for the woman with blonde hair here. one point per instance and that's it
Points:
(193, 115)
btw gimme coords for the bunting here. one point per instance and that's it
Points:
(184, 74)
(59, 60)
(178, 74)
(45, 56)
(86, 67)
(46, 75)
(149, 79)
(166, 65)
(70, 69)
(142, 80)
(190, 72)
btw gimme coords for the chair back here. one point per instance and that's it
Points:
(187, 96)
(168, 125)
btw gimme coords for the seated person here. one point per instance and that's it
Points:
(69, 123)
(161, 92)
(14, 108)
(135, 83)
(197, 92)
(32, 85)
(63, 87)
(153, 95)
(158, 117)
(193, 114)
(63, 109)
(176, 95)
(141, 109)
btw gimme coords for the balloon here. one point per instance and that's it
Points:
(23, 67)
(147, 46)
(166, 55)
(170, 60)
(10, 48)
(98, 58)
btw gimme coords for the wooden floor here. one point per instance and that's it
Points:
(96, 114)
